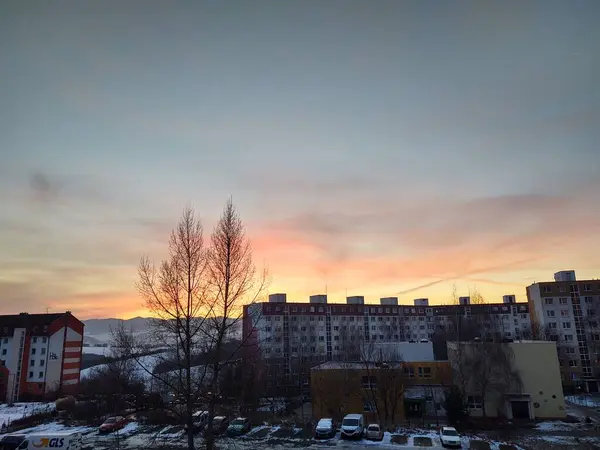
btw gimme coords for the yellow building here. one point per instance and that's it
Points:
(533, 390)
(385, 393)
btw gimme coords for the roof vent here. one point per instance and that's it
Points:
(23, 314)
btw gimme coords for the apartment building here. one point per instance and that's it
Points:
(292, 337)
(566, 311)
(39, 353)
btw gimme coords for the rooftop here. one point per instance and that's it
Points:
(25, 320)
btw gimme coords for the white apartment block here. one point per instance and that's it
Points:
(566, 311)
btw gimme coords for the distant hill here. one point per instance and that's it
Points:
(98, 331)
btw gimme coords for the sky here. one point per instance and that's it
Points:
(372, 148)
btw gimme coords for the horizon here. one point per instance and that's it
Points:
(397, 149)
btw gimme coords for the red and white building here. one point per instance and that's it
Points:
(39, 353)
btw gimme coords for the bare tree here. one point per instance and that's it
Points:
(485, 369)
(232, 282)
(475, 296)
(196, 296)
(384, 380)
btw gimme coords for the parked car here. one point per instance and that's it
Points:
(450, 437)
(374, 432)
(239, 426)
(220, 424)
(353, 426)
(325, 429)
(199, 419)
(112, 424)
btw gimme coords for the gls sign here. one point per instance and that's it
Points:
(50, 443)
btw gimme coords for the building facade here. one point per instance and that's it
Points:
(384, 394)
(566, 311)
(538, 392)
(39, 353)
(292, 337)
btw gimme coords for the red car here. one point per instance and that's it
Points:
(112, 424)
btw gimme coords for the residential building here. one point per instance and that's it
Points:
(387, 392)
(292, 337)
(532, 390)
(39, 354)
(566, 311)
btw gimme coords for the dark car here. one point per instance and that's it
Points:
(220, 424)
(239, 426)
(112, 424)
(325, 429)
(11, 441)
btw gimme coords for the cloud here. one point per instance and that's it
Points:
(435, 241)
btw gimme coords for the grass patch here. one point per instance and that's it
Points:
(476, 444)
(422, 441)
(400, 439)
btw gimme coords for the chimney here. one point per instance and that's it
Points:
(421, 302)
(508, 299)
(356, 300)
(565, 275)
(464, 300)
(389, 301)
(321, 298)
(277, 298)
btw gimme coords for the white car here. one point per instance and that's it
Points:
(450, 437)
(374, 432)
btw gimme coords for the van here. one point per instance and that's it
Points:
(353, 426)
(62, 441)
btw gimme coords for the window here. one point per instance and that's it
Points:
(566, 325)
(595, 337)
(32, 363)
(591, 312)
(425, 372)
(33, 351)
(564, 313)
(568, 337)
(474, 402)
(369, 382)
(34, 340)
(547, 289)
(587, 287)
(4, 352)
(570, 350)
(30, 374)
(41, 375)
(409, 372)
(550, 313)
(572, 363)
(6, 340)
(552, 325)
(321, 338)
(563, 300)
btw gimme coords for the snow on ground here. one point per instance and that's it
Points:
(584, 400)
(55, 427)
(90, 350)
(145, 362)
(19, 410)
(557, 425)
